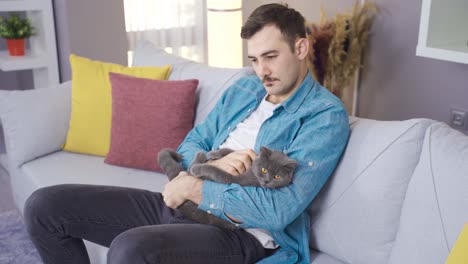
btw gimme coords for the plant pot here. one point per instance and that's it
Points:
(15, 47)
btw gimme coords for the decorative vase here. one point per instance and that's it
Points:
(15, 47)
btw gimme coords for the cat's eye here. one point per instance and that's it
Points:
(277, 177)
(264, 171)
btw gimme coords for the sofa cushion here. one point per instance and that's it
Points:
(322, 258)
(148, 116)
(90, 120)
(355, 217)
(436, 205)
(213, 81)
(35, 122)
(67, 167)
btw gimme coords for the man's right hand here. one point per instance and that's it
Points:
(235, 163)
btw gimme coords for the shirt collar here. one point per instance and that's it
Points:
(261, 93)
(293, 102)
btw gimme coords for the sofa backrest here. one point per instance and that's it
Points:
(356, 215)
(48, 109)
(213, 81)
(436, 205)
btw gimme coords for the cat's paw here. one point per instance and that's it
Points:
(200, 157)
(195, 170)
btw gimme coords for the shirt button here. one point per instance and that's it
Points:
(250, 109)
(211, 206)
(284, 151)
(237, 225)
(209, 212)
(311, 163)
(229, 128)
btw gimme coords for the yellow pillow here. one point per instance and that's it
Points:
(459, 252)
(90, 121)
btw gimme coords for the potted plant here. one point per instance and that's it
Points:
(15, 29)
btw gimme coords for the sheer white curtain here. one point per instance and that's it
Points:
(179, 26)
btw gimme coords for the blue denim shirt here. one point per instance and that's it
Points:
(311, 126)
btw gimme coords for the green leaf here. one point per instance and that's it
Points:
(15, 27)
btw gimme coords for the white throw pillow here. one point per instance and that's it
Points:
(436, 205)
(356, 216)
(213, 81)
(35, 122)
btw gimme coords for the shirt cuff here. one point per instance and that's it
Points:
(213, 198)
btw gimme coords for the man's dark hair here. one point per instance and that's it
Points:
(290, 22)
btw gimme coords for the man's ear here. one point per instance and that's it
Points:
(302, 48)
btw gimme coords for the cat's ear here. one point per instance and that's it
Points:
(265, 151)
(291, 164)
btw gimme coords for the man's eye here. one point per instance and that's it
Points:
(270, 57)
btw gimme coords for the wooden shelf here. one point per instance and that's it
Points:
(41, 58)
(27, 62)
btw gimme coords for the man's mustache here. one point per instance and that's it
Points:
(268, 79)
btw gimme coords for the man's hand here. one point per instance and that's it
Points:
(235, 163)
(182, 188)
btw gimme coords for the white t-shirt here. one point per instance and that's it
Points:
(244, 137)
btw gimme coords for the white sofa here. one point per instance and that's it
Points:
(398, 195)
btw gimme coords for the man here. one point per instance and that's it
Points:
(282, 108)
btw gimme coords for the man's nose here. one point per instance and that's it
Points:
(263, 69)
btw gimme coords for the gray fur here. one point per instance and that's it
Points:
(265, 167)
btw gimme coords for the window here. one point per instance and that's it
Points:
(176, 25)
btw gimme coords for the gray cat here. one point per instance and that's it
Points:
(270, 169)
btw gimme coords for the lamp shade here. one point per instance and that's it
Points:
(224, 19)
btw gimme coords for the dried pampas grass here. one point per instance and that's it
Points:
(336, 46)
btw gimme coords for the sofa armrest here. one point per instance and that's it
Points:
(35, 122)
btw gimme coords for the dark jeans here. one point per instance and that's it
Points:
(136, 225)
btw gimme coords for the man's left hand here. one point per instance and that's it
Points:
(182, 188)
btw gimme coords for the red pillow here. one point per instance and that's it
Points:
(147, 116)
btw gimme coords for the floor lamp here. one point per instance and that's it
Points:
(224, 20)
